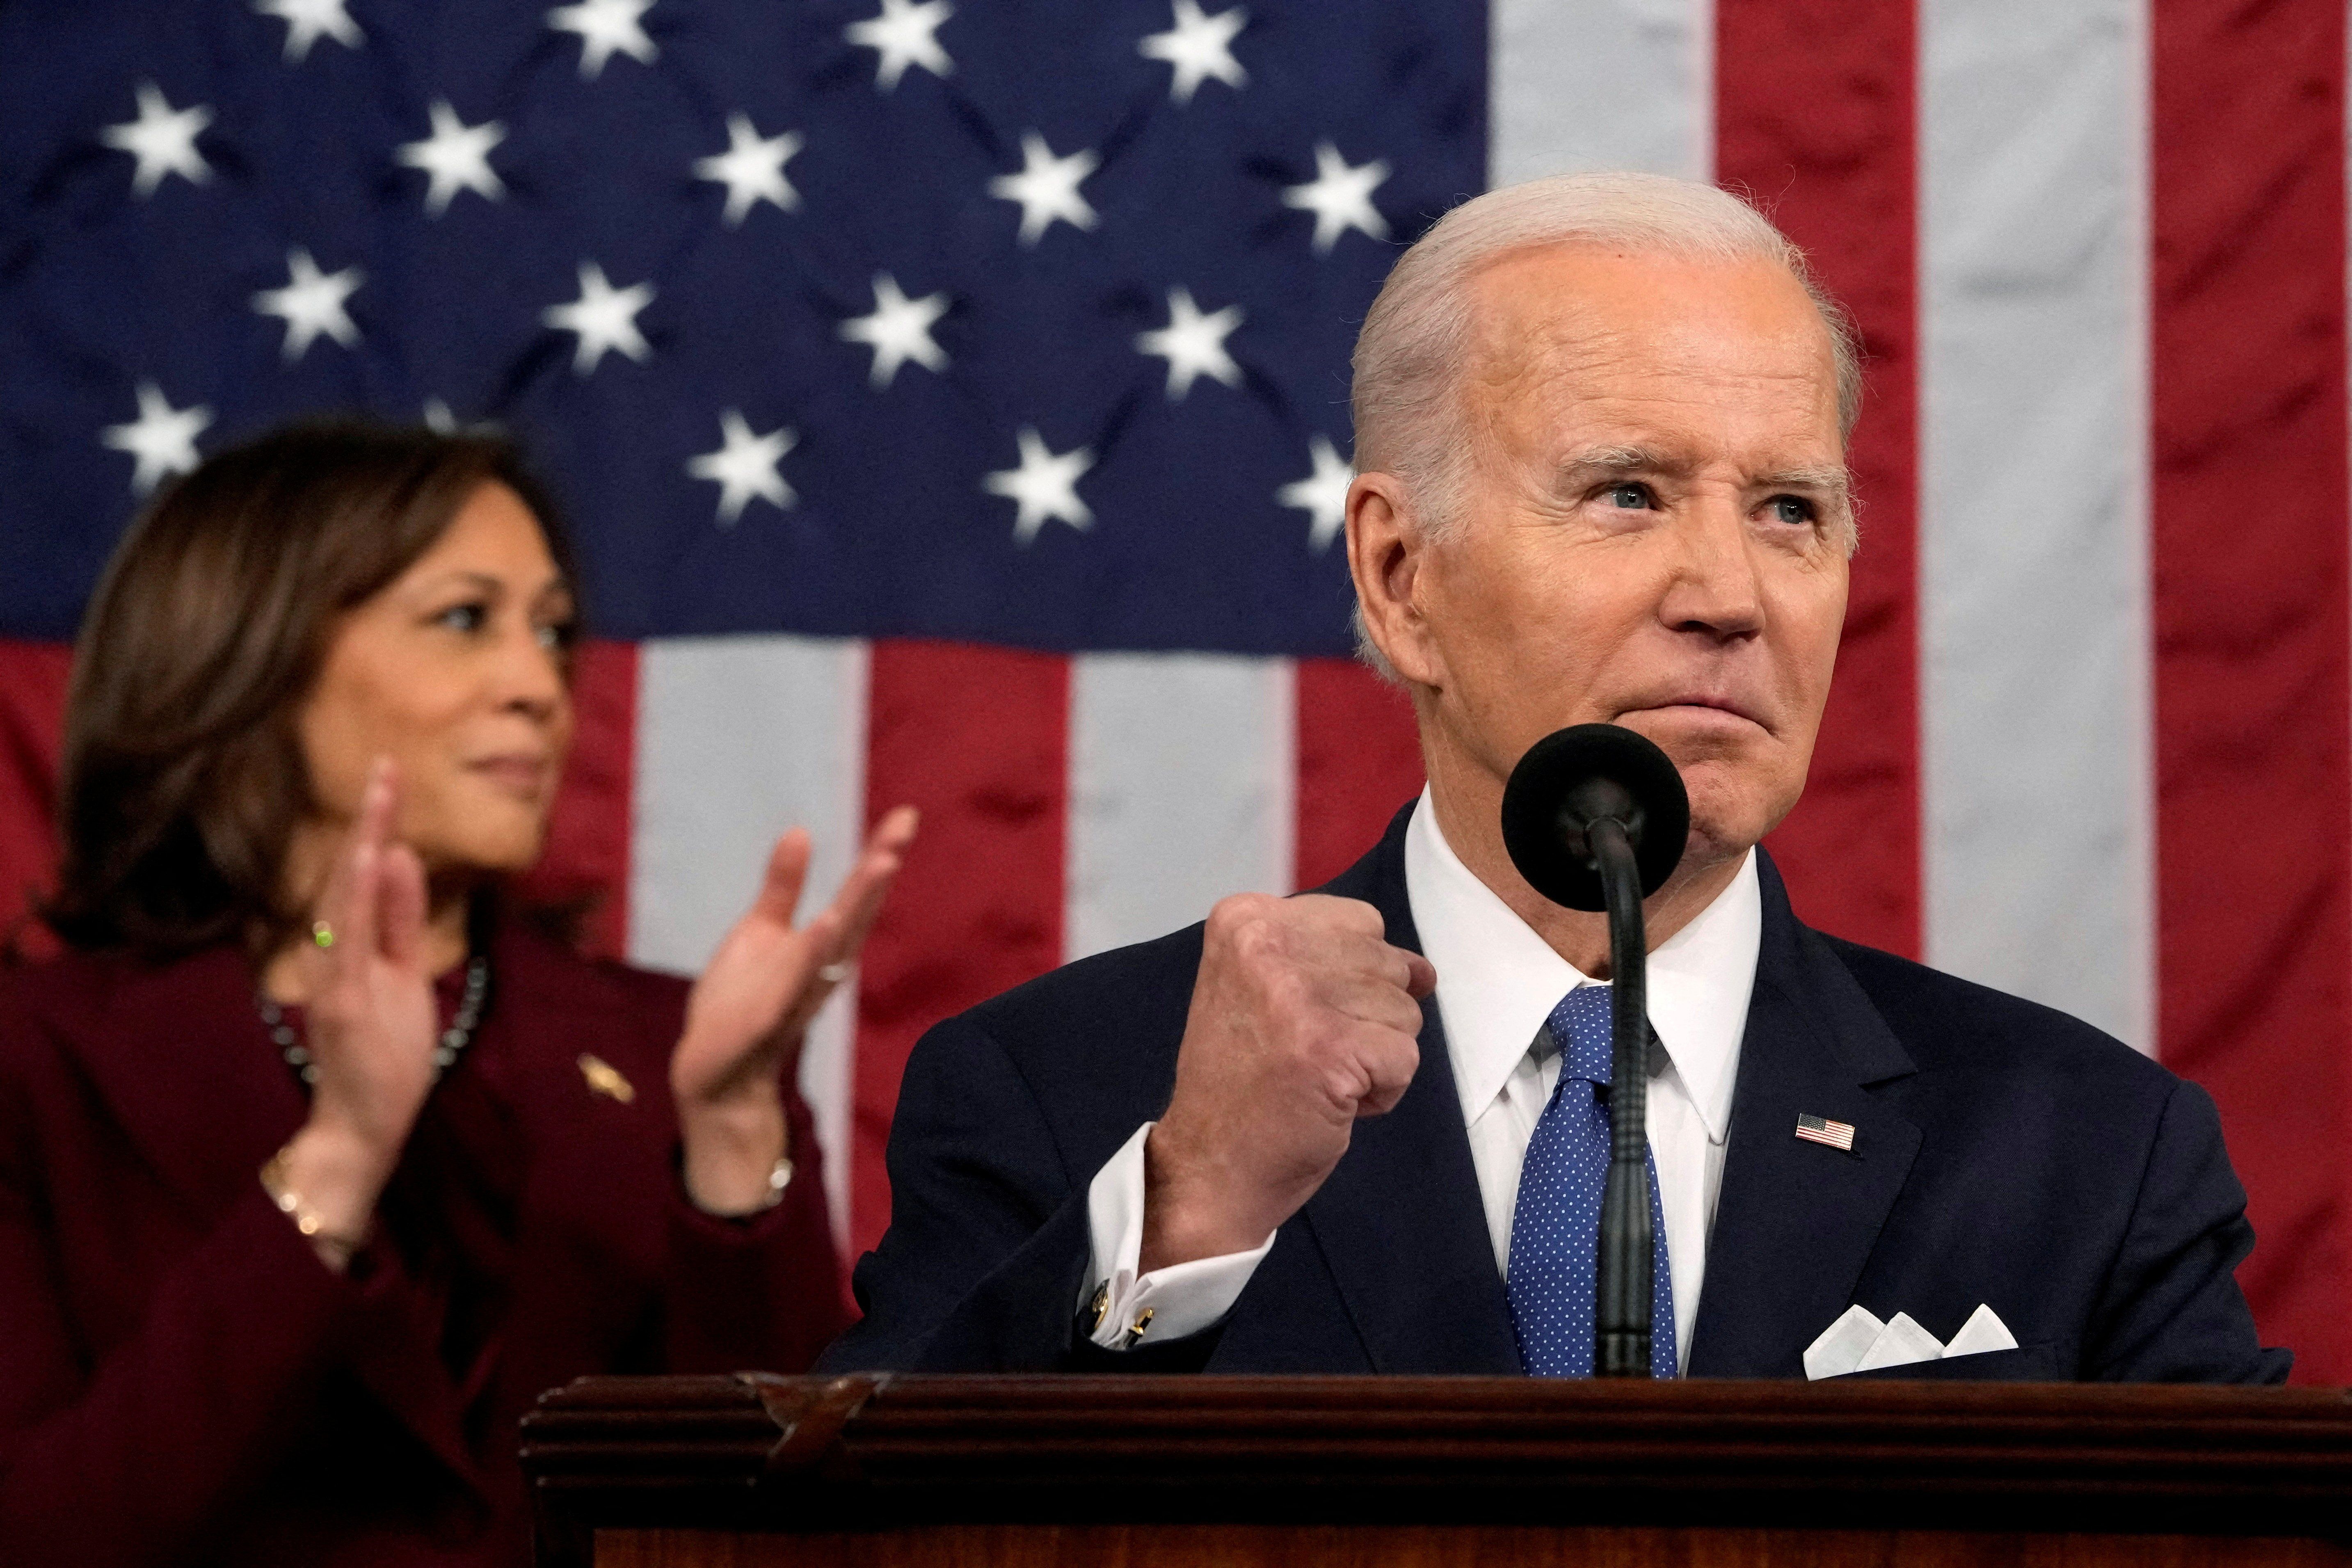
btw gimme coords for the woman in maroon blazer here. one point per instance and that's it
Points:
(316, 1164)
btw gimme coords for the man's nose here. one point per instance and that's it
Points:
(1715, 589)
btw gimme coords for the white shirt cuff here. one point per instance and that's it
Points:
(1181, 1299)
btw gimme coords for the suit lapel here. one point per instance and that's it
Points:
(1400, 1224)
(1796, 1221)
(180, 1055)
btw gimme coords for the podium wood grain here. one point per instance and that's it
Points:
(1262, 1546)
(908, 1472)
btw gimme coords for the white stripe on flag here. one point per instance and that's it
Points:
(1181, 790)
(1599, 84)
(2033, 555)
(738, 739)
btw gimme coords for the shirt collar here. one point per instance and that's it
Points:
(1497, 981)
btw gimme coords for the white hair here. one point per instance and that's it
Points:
(1409, 356)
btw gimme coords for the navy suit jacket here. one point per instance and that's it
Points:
(2004, 1154)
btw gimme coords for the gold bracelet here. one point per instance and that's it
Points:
(306, 1218)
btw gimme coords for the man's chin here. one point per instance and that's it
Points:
(1728, 815)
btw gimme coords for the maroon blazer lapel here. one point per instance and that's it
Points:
(599, 1163)
(179, 1053)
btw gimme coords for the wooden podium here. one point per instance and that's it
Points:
(907, 1472)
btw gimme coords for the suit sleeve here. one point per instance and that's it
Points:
(2172, 1311)
(128, 1462)
(988, 1241)
(987, 1245)
(763, 1295)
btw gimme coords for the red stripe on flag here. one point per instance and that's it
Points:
(1359, 760)
(978, 739)
(587, 861)
(33, 679)
(2249, 482)
(1815, 120)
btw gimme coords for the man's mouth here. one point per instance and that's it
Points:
(1716, 702)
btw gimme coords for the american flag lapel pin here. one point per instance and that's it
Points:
(1820, 1130)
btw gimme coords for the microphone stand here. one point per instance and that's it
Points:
(1623, 1284)
(1594, 817)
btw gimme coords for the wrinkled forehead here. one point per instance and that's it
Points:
(1583, 334)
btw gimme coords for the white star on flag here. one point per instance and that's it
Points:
(442, 420)
(903, 34)
(163, 438)
(745, 467)
(163, 139)
(1340, 197)
(752, 170)
(605, 317)
(312, 303)
(1198, 48)
(899, 329)
(308, 21)
(1193, 345)
(457, 157)
(1322, 495)
(606, 28)
(1044, 486)
(1047, 188)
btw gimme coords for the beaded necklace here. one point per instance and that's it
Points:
(453, 1042)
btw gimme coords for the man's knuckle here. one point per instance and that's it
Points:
(1346, 1082)
(1227, 918)
(1256, 940)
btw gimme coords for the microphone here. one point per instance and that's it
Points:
(1595, 817)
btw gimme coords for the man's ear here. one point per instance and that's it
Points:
(1386, 551)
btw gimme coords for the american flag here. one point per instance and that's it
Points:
(950, 397)
(1821, 1129)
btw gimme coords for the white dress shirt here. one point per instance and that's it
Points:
(1497, 981)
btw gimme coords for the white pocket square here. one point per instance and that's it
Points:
(1858, 1342)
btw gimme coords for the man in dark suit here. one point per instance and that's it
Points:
(1600, 431)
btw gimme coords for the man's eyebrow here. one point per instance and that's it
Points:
(1803, 478)
(1832, 479)
(1600, 460)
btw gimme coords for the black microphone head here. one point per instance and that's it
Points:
(1573, 776)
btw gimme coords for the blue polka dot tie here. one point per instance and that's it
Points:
(1556, 1226)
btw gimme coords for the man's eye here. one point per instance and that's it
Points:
(558, 637)
(1629, 497)
(464, 617)
(1791, 510)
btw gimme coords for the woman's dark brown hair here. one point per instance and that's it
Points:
(184, 775)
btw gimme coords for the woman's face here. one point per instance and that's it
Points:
(456, 671)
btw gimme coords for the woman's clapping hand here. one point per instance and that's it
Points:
(749, 1014)
(366, 985)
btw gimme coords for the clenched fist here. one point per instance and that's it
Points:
(1303, 1019)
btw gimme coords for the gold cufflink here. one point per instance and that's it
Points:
(1101, 1306)
(605, 1079)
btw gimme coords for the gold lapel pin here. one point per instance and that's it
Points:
(605, 1079)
